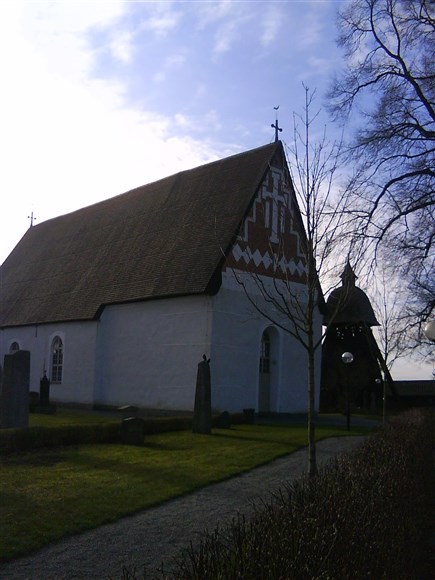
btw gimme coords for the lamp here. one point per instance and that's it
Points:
(429, 330)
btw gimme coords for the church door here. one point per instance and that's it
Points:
(264, 387)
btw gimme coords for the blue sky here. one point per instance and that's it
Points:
(99, 97)
(102, 96)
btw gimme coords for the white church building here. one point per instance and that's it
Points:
(119, 301)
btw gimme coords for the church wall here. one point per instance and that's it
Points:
(148, 352)
(235, 370)
(269, 254)
(235, 353)
(78, 369)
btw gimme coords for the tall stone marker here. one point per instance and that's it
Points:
(14, 390)
(202, 412)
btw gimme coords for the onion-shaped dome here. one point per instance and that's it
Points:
(349, 304)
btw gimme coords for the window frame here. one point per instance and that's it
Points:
(56, 360)
(13, 350)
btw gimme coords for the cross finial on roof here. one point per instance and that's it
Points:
(32, 218)
(275, 125)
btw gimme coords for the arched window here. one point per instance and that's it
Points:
(56, 360)
(14, 347)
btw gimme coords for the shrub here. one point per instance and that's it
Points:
(14, 440)
(155, 425)
(362, 516)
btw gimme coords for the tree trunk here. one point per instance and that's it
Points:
(312, 461)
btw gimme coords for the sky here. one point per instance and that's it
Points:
(101, 96)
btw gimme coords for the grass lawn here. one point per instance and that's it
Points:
(48, 494)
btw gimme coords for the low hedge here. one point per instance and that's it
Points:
(155, 425)
(18, 440)
(363, 516)
(15, 440)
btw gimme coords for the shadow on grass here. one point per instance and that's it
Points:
(38, 458)
(228, 434)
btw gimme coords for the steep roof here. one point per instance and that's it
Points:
(349, 306)
(162, 239)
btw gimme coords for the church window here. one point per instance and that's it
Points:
(56, 360)
(14, 347)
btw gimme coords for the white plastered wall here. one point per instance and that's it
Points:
(148, 352)
(79, 339)
(236, 345)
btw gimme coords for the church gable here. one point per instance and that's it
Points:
(271, 238)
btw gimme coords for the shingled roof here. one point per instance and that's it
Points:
(159, 240)
(348, 304)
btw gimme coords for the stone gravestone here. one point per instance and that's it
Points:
(14, 391)
(44, 405)
(133, 431)
(33, 401)
(202, 411)
(44, 391)
(223, 421)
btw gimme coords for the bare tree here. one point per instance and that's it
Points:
(390, 311)
(319, 218)
(386, 94)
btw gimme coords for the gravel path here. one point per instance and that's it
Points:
(158, 534)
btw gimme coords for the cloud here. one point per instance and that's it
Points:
(271, 26)
(171, 63)
(122, 48)
(312, 26)
(161, 18)
(208, 13)
(228, 20)
(231, 32)
(225, 36)
(183, 121)
(175, 61)
(212, 121)
(407, 369)
(317, 67)
(68, 139)
(206, 123)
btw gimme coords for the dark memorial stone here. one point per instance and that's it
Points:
(14, 391)
(132, 431)
(202, 412)
(33, 401)
(223, 421)
(44, 405)
(249, 416)
(44, 391)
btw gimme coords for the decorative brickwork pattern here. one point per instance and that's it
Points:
(269, 242)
